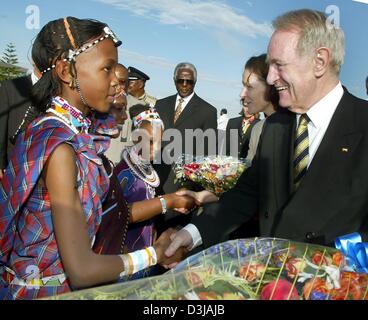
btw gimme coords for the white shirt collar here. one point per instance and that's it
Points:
(34, 78)
(186, 99)
(322, 112)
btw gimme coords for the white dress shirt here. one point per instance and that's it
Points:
(222, 122)
(34, 78)
(320, 115)
(185, 102)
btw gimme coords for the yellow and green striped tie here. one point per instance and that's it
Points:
(301, 150)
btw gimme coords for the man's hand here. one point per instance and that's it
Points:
(1, 174)
(182, 203)
(200, 197)
(181, 242)
(162, 243)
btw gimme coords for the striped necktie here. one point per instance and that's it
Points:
(301, 150)
(178, 109)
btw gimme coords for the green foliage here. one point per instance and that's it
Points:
(8, 64)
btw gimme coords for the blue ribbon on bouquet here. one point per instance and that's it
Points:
(355, 251)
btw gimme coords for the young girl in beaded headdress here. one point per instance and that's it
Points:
(51, 193)
(137, 176)
(130, 200)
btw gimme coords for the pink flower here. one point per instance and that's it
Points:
(279, 290)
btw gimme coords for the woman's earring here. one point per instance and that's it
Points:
(72, 83)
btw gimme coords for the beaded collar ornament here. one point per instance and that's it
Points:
(72, 116)
(144, 171)
(150, 115)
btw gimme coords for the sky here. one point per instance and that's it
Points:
(217, 36)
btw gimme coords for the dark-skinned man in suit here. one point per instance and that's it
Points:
(183, 112)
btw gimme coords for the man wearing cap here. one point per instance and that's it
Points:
(137, 82)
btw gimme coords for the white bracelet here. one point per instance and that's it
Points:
(163, 204)
(125, 272)
(138, 260)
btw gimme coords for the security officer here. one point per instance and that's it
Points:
(137, 82)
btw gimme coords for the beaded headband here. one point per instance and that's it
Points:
(74, 53)
(150, 115)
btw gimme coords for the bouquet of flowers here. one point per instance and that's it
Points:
(217, 174)
(247, 269)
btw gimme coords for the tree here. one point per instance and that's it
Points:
(9, 68)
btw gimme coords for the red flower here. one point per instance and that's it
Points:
(192, 166)
(252, 272)
(319, 259)
(195, 279)
(337, 258)
(279, 290)
(294, 266)
(351, 287)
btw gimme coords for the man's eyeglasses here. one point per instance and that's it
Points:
(182, 81)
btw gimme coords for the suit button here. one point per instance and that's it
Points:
(310, 235)
(266, 215)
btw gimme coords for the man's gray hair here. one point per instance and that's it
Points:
(315, 31)
(185, 65)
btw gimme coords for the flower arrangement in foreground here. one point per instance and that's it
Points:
(217, 174)
(247, 269)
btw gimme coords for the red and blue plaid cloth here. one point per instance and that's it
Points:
(27, 237)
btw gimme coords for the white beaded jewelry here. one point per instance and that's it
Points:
(138, 260)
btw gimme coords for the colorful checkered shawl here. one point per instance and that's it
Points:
(27, 237)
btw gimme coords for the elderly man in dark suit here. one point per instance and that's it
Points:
(185, 111)
(309, 178)
(14, 105)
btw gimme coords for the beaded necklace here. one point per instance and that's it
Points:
(144, 172)
(72, 116)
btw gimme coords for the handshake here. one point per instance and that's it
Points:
(172, 246)
(187, 200)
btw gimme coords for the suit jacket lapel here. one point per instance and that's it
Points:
(283, 136)
(169, 112)
(323, 181)
(238, 126)
(340, 138)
